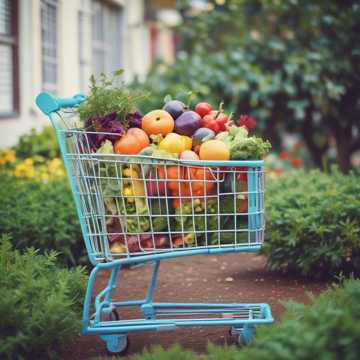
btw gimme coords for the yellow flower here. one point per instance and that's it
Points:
(8, 156)
(28, 162)
(54, 164)
(25, 169)
(45, 177)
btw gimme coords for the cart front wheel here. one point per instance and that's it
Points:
(246, 335)
(116, 344)
(243, 335)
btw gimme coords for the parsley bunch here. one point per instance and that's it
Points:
(109, 95)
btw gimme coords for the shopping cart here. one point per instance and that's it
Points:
(140, 209)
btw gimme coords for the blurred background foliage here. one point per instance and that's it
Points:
(293, 65)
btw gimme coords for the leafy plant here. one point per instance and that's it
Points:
(313, 223)
(158, 353)
(329, 327)
(109, 95)
(38, 143)
(40, 305)
(41, 215)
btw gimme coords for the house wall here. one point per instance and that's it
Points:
(135, 49)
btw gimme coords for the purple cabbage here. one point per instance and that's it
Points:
(104, 128)
(134, 119)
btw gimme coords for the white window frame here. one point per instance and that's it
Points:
(50, 46)
(10, 39)
(109, 16)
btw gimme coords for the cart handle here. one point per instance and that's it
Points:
(49, 103)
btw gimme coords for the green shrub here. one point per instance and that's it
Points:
(38, 143)
(158, 353)
(41, 215)
(40, 304)
(313, 223)
(328, 328)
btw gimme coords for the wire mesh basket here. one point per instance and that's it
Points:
(141, 209)
(137, 205)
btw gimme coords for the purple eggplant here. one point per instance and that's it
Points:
(187, 123)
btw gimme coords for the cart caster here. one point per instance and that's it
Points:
(112, 316)
(116, 344)
(244, 335)
(108, 316)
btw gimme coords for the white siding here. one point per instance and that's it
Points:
(74, 59)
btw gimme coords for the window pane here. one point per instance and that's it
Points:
(5, 17)
(106, 38)
(49, 44)
(6, 79)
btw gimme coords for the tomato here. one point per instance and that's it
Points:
(211, 123)
(222, 119)
(216, 121)
(203, 181)
(157, 122)
(132, 142)
(203, 108)
(174, 172)
(242, 173)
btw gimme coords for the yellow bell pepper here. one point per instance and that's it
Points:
(129, 194)
(175, 143)
(117, 248)
(136, 188)
(130, 172)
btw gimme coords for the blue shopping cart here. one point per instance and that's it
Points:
(139, 209)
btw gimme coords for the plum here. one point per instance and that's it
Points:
(187, 123)
(200, 134)
(175, 108)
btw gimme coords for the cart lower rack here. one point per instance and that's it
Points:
(140, 209)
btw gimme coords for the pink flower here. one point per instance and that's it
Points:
(248, 121)
(284, 155)
(296, 163)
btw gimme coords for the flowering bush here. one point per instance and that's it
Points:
(294, 158)
(42, 143)
(278, 163)
(37, 207)
(36, 167)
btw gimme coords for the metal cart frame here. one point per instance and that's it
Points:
(105, 322)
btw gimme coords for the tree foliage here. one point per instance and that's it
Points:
(294, 65)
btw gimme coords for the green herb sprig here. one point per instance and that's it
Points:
(108, 95)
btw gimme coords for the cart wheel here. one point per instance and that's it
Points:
(113, 315)
(246, 335)
(116, 344)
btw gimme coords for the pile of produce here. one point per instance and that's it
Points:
(139, 199)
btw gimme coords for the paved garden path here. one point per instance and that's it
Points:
(226, 278)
